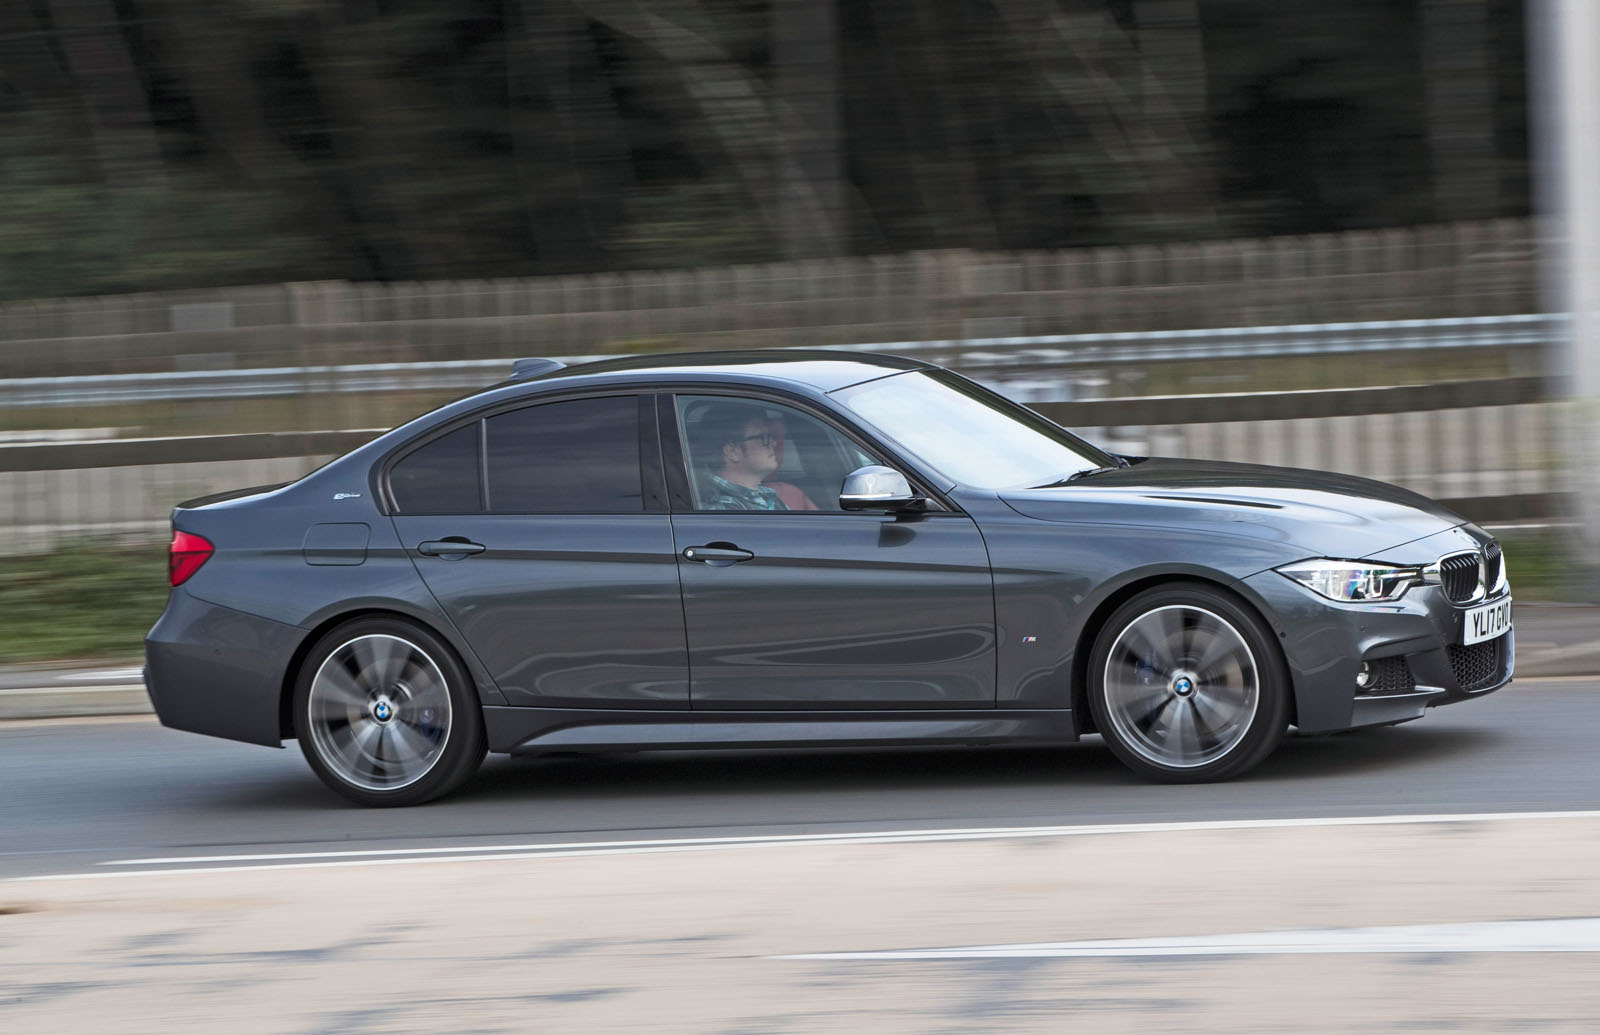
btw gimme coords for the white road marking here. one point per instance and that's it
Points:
(881, 836)
(1572, 934)
(59, 693)
(108, 675)
(191, 864)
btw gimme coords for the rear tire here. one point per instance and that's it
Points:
(1187, 685)
(386, 714)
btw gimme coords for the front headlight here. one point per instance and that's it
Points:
(1353, 581)
(1503, 582)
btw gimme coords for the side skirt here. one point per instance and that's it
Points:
(523, 731)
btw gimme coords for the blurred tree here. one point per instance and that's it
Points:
(1459, 89)
(159, 143)
(567, 135)
(62, 225)
(1318, 112)
(89, 35)
(810, 170)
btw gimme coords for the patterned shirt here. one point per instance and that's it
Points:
(726, 495)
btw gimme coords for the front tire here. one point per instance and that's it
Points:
(386, 715)
(1187, 685)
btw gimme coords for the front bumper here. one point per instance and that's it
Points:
(1413, 644)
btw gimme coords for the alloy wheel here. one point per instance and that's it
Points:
(1182, 686)
(379, 712)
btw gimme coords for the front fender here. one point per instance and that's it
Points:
(1054, 580)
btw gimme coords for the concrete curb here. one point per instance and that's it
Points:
(67, 702)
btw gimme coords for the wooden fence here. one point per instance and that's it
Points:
(1465, 269)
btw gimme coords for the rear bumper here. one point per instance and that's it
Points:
(1420, 635)
(213, 670)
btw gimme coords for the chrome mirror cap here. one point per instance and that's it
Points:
(878, 488)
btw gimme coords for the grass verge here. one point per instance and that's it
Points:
(91, 601)
(1542, 565)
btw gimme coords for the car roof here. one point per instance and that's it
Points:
(823, 370)
(818, 370)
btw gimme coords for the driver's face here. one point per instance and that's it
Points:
(757, 449)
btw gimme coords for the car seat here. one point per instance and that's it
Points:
(792, 495)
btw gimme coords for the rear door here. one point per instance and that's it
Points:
(544, 534)
(794, 607)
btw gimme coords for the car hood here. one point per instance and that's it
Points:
(1318, 513)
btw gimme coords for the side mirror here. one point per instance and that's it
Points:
(878, 488)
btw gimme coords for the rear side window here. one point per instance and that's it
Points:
(580, 456)
(440, 477)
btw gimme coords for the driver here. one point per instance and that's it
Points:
(738, 450)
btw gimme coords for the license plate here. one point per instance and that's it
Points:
(1486, 622)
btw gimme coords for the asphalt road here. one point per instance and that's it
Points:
(80, 794)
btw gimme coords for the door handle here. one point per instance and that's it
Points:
(718, 555)
(455, 546)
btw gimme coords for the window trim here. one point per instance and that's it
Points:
(675, 457)
(652, 481)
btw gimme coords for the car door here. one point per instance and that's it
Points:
(793, 607)
(543, 532)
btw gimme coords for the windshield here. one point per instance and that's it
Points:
(969, 434)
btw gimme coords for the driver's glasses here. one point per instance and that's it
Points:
(766, 438)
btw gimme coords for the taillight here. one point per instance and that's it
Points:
(184, 557)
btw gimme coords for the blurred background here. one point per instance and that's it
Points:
(240, 237)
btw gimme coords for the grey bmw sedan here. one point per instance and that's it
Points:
(803, 548)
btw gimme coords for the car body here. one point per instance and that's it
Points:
(536, 567)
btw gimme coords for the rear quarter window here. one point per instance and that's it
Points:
(441, 477)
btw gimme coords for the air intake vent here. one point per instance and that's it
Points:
(1477, 666)
(1458, 574)
(1389, 676)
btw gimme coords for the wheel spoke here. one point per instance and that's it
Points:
(335, 689)
(1162, 702)
(1192, 630)
(1211, 718)
(1170, 622)
(1216, 649)
(364, 736)
(411, 739)
(383, 659)
(1183, 731)
(425, 687)
(1144, 645)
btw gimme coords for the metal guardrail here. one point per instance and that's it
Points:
(142, 452)
(985, 358)
(1329, 402)
(1526, 329)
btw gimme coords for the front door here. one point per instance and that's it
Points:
(546, 540)
(790, 602)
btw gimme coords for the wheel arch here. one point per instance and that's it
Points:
(1108, 605)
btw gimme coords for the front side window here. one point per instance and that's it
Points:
(968, 433)
(753, 455)
(578, 456)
